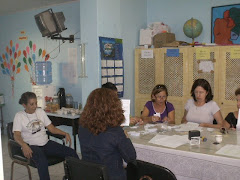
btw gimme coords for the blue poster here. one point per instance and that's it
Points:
(112, 67)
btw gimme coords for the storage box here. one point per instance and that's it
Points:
(162, 38)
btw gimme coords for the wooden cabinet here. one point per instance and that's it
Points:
(179, 73)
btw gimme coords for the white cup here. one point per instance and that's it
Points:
(218, 138)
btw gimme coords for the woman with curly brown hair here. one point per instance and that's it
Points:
(102, 140)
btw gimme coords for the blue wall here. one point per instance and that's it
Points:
(114, 19)
(11, 25)
(175, 13)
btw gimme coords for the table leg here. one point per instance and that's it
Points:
(2, 127)
(74, 135)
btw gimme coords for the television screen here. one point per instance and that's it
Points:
(50, 23)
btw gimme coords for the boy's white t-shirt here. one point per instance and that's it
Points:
(32, 126)
(202, 114)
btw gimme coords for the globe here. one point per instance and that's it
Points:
(192, 28)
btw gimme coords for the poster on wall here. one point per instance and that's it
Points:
(112, 68)
(226, 24)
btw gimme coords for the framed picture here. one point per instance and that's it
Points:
(225, 24)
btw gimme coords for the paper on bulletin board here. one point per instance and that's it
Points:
(235, 53)
(202, 53)
(206, 66)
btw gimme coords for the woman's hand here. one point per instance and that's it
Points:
(166, 119)
(126, 134)
(68, 139)
(155, 118)
(135, 120)
(204, 124)
(27, 151)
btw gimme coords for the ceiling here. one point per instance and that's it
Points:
(13, 6)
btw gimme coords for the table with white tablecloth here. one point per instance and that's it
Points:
(189, 162)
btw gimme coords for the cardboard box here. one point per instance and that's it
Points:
(163, 38)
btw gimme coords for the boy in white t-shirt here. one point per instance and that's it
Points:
(29, 132)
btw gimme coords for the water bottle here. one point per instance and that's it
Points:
(69, 101)
(62, 97)
(43, 72)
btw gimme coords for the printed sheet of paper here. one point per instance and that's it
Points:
(169, 141)
(206, 66)
(202, 53)
(145, 37)
(126, 109)
(235, 53)
(230, 150)
(147, 54)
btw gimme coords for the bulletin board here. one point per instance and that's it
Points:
(112, 66)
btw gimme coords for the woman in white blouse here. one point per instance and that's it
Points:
(201, 108)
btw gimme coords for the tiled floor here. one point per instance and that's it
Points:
(20, 172)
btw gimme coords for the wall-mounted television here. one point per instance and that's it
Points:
(49, 23)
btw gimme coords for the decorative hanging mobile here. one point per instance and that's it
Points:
(10, 64)
(29, 60)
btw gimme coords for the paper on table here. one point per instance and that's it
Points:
(126, 109)
(133, 133)
(169, 141)
(188, 127)
(149, 126)
(134, 127)
(230, 150)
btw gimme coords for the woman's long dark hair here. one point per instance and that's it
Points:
(205, 85)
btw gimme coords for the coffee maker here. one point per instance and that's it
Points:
(62, 97)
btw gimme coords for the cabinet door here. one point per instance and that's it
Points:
(229, 78)
(199, 63)
(145, 78)
(174, 75)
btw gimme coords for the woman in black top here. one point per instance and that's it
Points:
(232, 117)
